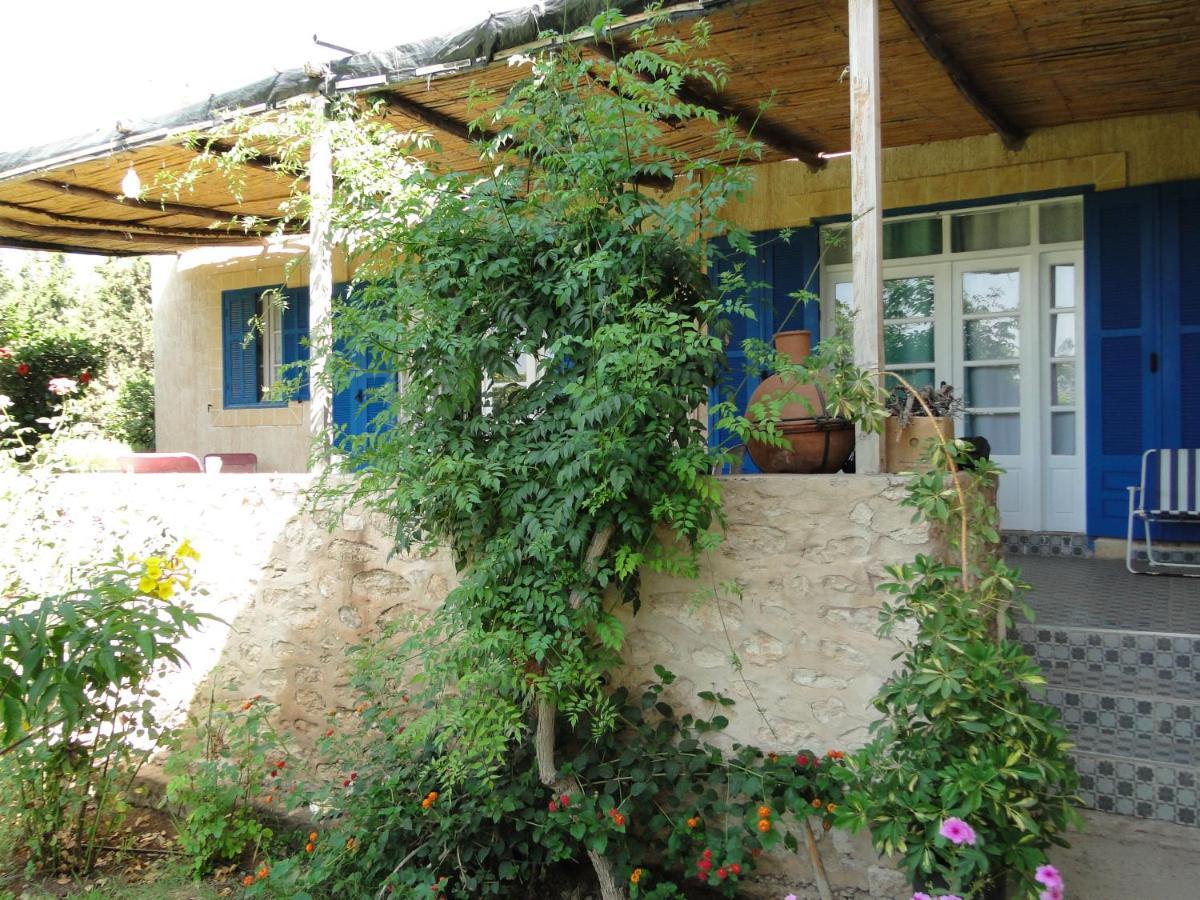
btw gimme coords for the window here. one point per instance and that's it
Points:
(263, 331)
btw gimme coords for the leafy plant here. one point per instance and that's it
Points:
(961, 738)
(78, 717)
(903, 402)
(227, 763)
(132, 416)
(27, 368)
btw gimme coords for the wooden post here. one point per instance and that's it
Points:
(866, 207)
(320, 279)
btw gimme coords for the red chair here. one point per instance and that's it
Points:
(234, 462)
(159, 463)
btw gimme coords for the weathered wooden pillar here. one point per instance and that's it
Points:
(866, 206)
(320, 278)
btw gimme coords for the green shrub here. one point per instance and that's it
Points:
(229, 761)
(132, 417)
(27, 367)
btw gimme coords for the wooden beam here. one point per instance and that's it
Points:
(263, 161)
(160, 206)
(866, 208)
(59, 231)
(749, 120)
(115, 224)
(461, 131)
(320, 282)
(1012, 136)
(19, 244)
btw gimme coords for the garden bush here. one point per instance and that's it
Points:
(27, 367)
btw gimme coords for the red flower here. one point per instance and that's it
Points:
(22, 368)
(553, 807)
(564, 801)
(722, 874)
(85, 376)
(801, 760)
(735, 869)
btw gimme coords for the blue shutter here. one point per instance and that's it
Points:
(1180, 244)
(1120, 330)
(794, 268)
(240, 373)
(294, 335)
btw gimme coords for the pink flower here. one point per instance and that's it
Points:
(921, 895)
(1051, 893)
(62, 386)
(949, 897)
(1048, 875)
(790, 897)
(958, 832)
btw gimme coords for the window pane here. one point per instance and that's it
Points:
(990, 230)
(1002, 430)
(843, 297)
(836, 243)
(911, 343)
(1060, 222)
(998, 291)
(992, 338)
(918, 378)
(908, 298)
(1064, 335)
(1062, 286)
(916, 237)
(993, 386)
(1062, 384)
(1062, 433)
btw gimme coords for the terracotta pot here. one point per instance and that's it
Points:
(816, 443)
(904, 448)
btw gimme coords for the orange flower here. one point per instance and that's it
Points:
(433, 795)
(816, 804)
(636, 876)
(773, 757)
(312, 836)
(693, 822)
(270, 797)
(426, 803)
(310, 847)
(764, 825)
(263, 873)
(831, 807)
(351, 844)
(764, 812)
(248, 880)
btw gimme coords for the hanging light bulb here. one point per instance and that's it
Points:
(131, 185)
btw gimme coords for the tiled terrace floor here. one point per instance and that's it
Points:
(1100, 593)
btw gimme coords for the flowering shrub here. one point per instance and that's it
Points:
(36, 371)
(77, 713)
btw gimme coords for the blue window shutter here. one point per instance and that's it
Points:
(294, 338)
(240, 374)
(1120, 331)
(1180, 323)
(794, 268)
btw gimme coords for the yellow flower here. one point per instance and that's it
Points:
(147, 585)
(187, 551)
(166, 589)
(154, 566)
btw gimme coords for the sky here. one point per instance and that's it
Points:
(68, 67)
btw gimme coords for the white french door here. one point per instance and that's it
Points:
(1061, 403)
(994, 353)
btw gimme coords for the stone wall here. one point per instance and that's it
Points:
(799, 563)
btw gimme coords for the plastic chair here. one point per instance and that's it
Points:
(1169, 493)
(233, 462)
(159, 463)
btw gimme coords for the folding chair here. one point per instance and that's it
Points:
(1169, 493)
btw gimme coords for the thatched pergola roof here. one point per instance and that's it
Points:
(949, 69)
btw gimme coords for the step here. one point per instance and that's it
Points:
(1148, 664)
(1147, 789)
(1131, 725)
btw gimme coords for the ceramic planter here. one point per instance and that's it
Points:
(816, 442)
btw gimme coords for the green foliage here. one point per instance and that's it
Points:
(132, 417)
(961, 736)
(77, 710)
(28, 365)
(224, 764)
(655, 797)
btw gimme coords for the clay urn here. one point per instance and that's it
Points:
(816, 442)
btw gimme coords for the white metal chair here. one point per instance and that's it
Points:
(1169, 493)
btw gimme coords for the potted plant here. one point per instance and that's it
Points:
(910, 427)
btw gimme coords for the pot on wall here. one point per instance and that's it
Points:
(904, 448)
(816, 442)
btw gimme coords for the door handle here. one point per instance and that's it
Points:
(1153, 362)
(359, 395)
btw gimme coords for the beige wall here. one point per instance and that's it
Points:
(189, 406)
(187, 289)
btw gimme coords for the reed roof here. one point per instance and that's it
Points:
(949, 69)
